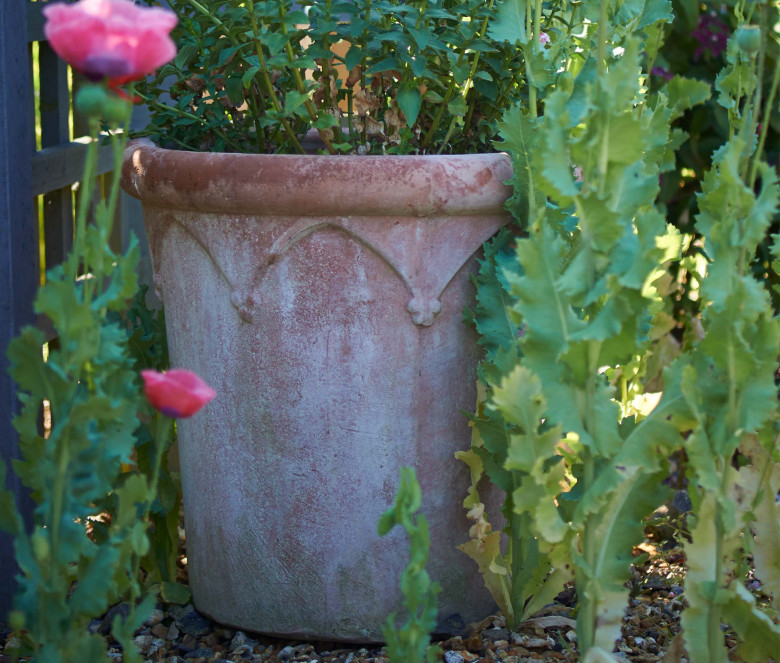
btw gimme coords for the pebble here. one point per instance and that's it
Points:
(160, 630)
(453, 657)
(286, 653)
(155, 618)
(191, 622)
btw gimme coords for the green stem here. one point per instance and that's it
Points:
(767, 114)
(266, 79)
(536, 43)
(450, 91)
(85, 200)
(586, 618)
(163, 426)
(299, 84)
(602, 37)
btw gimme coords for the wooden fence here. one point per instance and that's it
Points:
(29, 175)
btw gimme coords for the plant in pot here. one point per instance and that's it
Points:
(321, 295)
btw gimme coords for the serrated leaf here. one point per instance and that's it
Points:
(685, 93)
(491, 565)
(519, 137)
(509, 22)
(759, 636)
(700, 586)
(10, 520)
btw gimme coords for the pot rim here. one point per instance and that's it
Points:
(332, 185)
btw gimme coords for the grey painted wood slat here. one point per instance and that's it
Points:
(18, 242)
(34, 21)
(55, 130)
(62, 166)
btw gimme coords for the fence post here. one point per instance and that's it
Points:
(18, 242)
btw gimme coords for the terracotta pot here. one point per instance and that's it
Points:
(322, 298)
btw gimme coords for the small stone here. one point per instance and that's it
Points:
(468, 656)
(639, 642)
(160, 630)
(350, 657)
(200, 652)
(239, 640)
(191, 622)
(155, 618)
(494, 634)
(539, 643)
(453, 657)
(225, 633)
(189, 642)
(287, 653)
(142, 642)
(173, 632)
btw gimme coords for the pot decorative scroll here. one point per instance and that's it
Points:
(424, 265)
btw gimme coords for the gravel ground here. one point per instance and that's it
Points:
(179, 634)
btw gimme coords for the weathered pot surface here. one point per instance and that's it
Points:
(322, 298)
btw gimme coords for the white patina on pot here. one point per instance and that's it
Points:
(322, 298)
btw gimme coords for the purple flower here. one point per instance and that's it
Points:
(662, 72)
(712, 35)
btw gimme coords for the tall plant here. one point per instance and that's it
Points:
(411, 643)
(90, 385)
(727, 379)
(574, 298)
(580, 413)
(88, 381)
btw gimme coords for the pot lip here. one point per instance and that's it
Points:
(366, 185)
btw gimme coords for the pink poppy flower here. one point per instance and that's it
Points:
(111, 39)
(177, 393)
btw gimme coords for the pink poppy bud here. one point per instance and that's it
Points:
(544, 38)
(177, 393)
(111, 39)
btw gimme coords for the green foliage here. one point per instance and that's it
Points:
(89, 523)
(411, 642)
(694, 45)
(728, 383)
(576, 419)
(369, 76)
(148, 346)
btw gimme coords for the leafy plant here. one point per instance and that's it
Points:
(571, 299)
(411, 642)
(727, 379)
(368, 76)
(148, 346)
(580, 413)
(90, 385)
